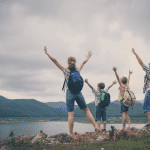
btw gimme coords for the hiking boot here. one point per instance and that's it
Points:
(147, 125)
(130, 127)
(104, 130)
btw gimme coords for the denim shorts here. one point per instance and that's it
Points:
(123, 107)
(146, 105)
(100, 112)
(71, 98)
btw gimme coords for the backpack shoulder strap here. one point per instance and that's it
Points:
(64, 84)
(102, 91)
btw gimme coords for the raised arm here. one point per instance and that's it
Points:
(114, 82)
(86, 81)
(115, 70)
(53, 59)
(87, 58)
(130, 72)
(138, 58)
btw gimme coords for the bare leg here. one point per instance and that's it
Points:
(71, 122)
(128, 119)
(148, 116)
(90, 117)
(124, 119)
(98, 124)
(104, 124)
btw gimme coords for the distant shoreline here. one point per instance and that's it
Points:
(83, 120)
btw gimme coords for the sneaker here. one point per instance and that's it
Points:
(130, 128)
(104, 130)
(147, 125)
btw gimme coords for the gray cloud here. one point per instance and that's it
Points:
(69, 28)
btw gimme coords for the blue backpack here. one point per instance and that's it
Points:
(75, 82)
(105, 100)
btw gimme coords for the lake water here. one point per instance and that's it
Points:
(50, 128)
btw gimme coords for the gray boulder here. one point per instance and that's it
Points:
(5, 148)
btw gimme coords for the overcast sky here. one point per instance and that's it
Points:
(108, 28)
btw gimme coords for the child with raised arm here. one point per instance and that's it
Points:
(124, 85)
(100, 112)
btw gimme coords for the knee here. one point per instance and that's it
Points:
(86, 110)
(71, 114)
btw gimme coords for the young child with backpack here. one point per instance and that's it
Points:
(101, 96)
(124, 85)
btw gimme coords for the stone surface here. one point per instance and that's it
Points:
(5, 148)
(100, 138)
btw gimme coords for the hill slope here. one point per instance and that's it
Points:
(28, 107)
(113, 110)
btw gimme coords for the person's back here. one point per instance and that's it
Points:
(100, 111)
(123, 86)
(70, 96)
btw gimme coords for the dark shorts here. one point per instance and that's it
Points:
(123, 107)
(146, 104)
(71, 98)
(100, 112)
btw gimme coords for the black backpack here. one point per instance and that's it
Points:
(75, 82)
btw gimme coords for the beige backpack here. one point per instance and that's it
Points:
(129, 98)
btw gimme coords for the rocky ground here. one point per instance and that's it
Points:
(44, 142)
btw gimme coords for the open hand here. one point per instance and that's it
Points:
(115, 82)
(130, 72)
(86, 80)
(133, 50)
(89, 54)
(114, 68)
(45, 49)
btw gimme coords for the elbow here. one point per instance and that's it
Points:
(55, 61)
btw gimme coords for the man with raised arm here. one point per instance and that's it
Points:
(71, 95)
(146, 88)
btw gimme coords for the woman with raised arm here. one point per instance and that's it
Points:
(146, 88)
(73, 92)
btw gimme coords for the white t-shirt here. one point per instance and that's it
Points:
(98, 95)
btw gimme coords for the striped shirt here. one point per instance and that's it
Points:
(146, 81)
(98, 96)
(66, 72)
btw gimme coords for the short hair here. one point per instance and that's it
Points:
(124, 80)
(101, 85)
(71, 59)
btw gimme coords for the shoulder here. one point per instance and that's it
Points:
(96, 91)
(65, 70)
(145, 68)
(122, 86)
(78, 69)
(106, 90)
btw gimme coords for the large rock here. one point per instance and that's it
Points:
(100, 138)
(62, 137)
(40, 135)
(5, 148)
(38, 138)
